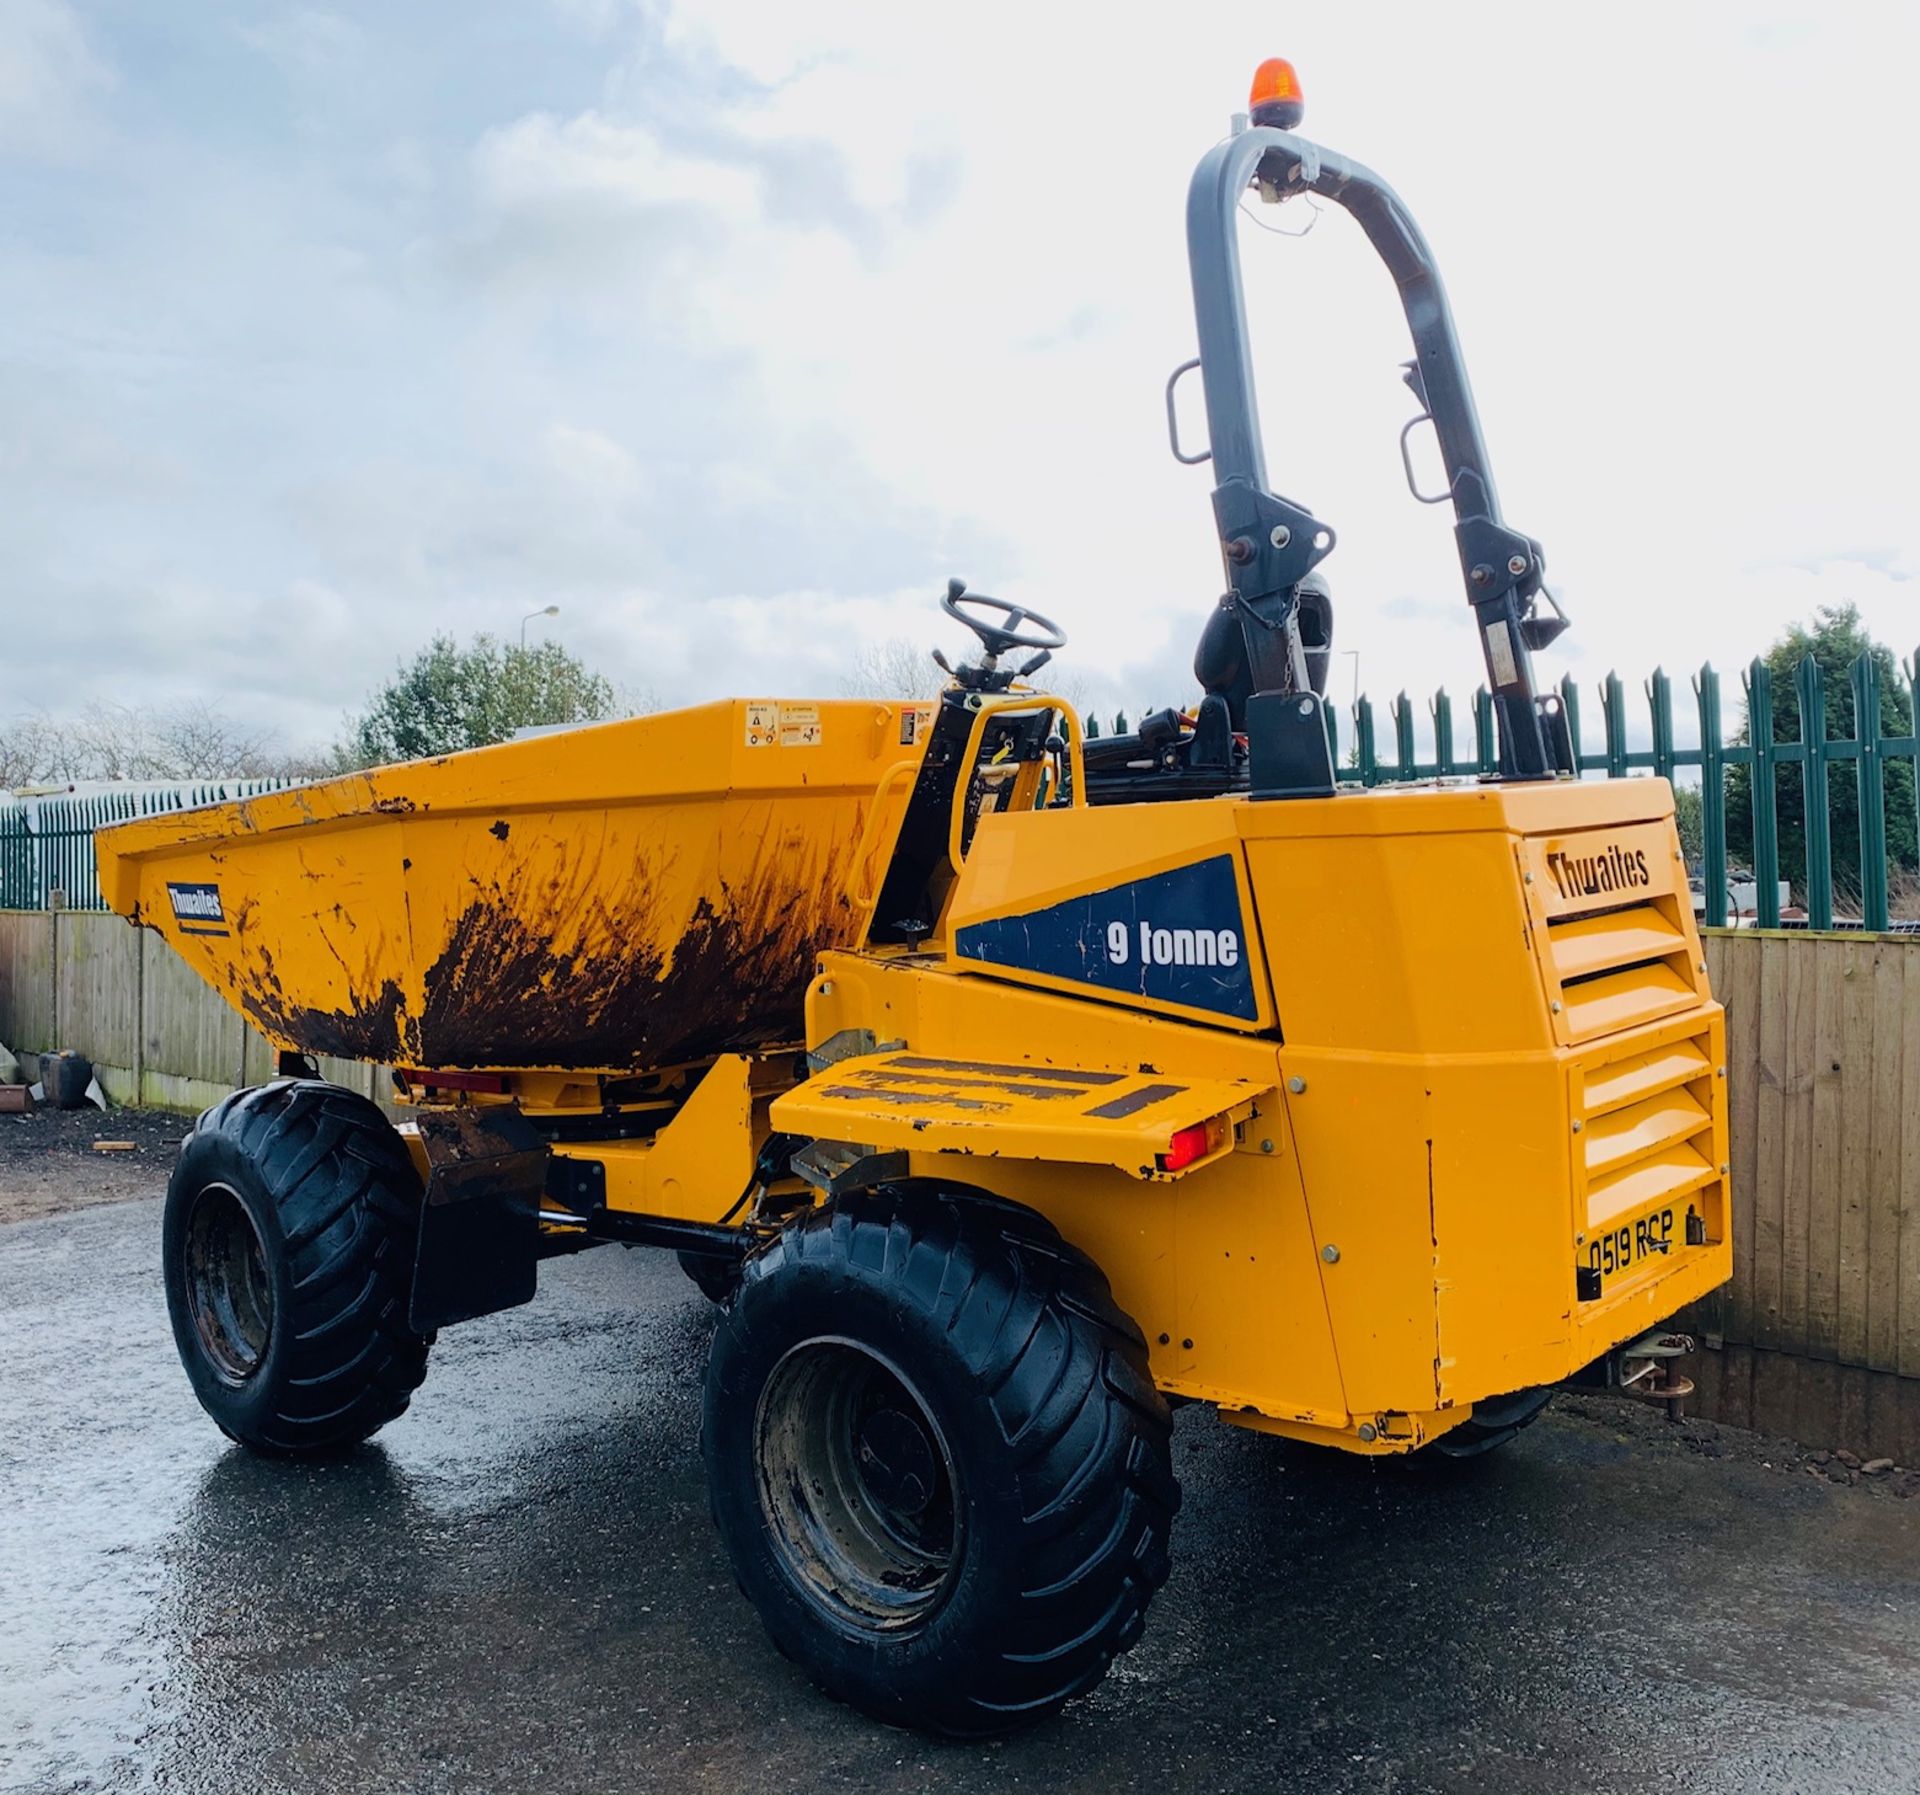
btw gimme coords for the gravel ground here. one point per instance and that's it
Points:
(50, 1162)
(516, 1588)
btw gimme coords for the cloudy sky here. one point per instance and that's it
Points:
(732, 328)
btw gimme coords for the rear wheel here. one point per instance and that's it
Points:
(1491, 1425)
(937, 1460)
(288, 1246)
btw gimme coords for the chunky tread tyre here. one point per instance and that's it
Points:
(1060, 1448)
(1491, 1425)
(334, 1206)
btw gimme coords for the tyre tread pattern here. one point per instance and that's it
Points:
(348, 1200)
(1065, 1371)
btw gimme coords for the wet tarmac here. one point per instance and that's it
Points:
(517, 1589)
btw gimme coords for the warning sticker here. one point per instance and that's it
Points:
(763, 725)
(799, 725)
(915, 721)
(1500, 655)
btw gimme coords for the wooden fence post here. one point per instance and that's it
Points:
(140, 1016)
(53, 973)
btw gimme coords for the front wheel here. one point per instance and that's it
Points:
(288, 1243)
(937, 1459)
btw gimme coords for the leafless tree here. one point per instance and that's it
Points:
(893, 667)
(195, 741)
(120, 741)
(900, 667)
(26, 751)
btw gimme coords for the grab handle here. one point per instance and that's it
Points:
(864, 899)
(1025, 701)
(1173, 418)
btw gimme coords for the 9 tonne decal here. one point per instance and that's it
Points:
(1178, 937)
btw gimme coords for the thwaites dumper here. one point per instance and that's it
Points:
(1003, 1087)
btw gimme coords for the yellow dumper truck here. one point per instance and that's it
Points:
(1003, 1087)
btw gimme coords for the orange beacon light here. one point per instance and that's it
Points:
(1276, 98)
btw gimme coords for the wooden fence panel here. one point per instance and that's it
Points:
(97, 1001)
(1820, 1328)
(1876, 1236)
(1907, 1259)
(157, 1032)
(193, 1039)
(1831, 1166)
(1842, 1072)
(1778, 1137)
(27, 1019)
(1735, 977)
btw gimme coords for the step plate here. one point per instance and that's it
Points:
(933, 1104)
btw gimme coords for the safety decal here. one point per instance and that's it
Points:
(1177, 937)
(799, 726)
(783, 725)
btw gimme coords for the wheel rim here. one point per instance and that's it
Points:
(229, 1294)
(857, 1486)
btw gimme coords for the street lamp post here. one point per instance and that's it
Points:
(544, 611)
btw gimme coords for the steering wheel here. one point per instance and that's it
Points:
(1021, 629)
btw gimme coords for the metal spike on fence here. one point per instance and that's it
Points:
(1810, 699)
(1713, 798)
(1442, 710)
(1363, 740)
(1570, 703)
(1404, 745)
(1613, 712)
(1659, 691)
(1766, 818)
(1864, 677)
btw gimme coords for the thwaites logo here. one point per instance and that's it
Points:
(196, 908)
(1607, 869)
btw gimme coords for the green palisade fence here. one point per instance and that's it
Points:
(46, 844)
(1816, 753)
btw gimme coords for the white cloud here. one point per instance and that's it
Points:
(305, 40)
(734, 328)
(593, 464)
(540, 162)
(50, 82)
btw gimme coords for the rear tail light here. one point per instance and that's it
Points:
(492, 1083)
(1186, 1146)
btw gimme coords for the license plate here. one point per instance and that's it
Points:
(1624, 1249)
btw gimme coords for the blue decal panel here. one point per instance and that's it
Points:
(1177, 937)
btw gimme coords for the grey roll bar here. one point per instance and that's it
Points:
(1268, 543)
